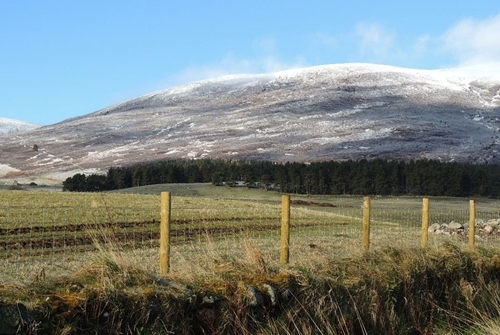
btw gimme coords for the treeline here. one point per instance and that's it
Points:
(375, 177)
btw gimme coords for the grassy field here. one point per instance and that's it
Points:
(224, 239)
(54, 228)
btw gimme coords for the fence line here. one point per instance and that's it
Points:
(285, 230)
(286, 220)
(366, 223)
(165, 233)
(472, 223)
(188, 229)
(425, 223)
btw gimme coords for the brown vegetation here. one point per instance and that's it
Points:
(392, 291)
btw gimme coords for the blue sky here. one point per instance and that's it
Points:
(60, 59)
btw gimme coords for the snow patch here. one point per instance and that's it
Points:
(9, 126)
(171, 152)
(48, 161)
(5, 169)
(34, 157)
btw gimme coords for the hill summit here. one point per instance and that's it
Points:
(330, 112)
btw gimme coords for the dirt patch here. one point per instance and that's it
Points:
(31, 240)
(312, 203)
(6, 170)
(14, 174)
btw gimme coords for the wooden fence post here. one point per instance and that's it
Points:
(366, 223)
(285, 230)
(425, 222)
(165, 233)
(472, 223)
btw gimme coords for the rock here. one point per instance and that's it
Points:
(13, 318)
(493, 222)
(207, 315)
(455, 225)
(273, 294)
(483, 228)
(442, 232)
(175, 287)
(434, 227)
(488, 229)
(209, 301)
(286, 294)
(254, 297)
(75, 287)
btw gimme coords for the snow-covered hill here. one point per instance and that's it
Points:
(331, 112)
(9, 126)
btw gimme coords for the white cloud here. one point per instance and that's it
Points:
(267, 44)
(228, 65)
(421, 45)
(231, 64)
(270, 64)
(375, 40)
(469, 42)
(474, 41)
(365, 42)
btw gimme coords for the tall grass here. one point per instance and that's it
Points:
(445, 290)
(236, 286)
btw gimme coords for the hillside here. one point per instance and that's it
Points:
(9, 126)
(331, 112)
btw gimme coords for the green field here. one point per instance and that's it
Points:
(47, 229)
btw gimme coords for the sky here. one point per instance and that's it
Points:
(61, 59)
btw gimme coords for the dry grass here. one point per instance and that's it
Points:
(222, 281)
(202, 225)
(227, 294)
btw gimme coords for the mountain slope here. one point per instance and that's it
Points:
(331, 112)
(9, 126)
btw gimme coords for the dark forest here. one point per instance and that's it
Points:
(375, 177)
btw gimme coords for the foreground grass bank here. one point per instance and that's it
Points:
(230, 282)
(393, 291)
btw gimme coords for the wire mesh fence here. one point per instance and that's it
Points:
(36, 241)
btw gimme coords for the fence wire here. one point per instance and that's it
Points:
(63, 239)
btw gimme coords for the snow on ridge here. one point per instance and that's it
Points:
(339, 111)
(478, 71)
(9, 126)
(249, 79)
(346, 67)
(455, 79)
(234, 79)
